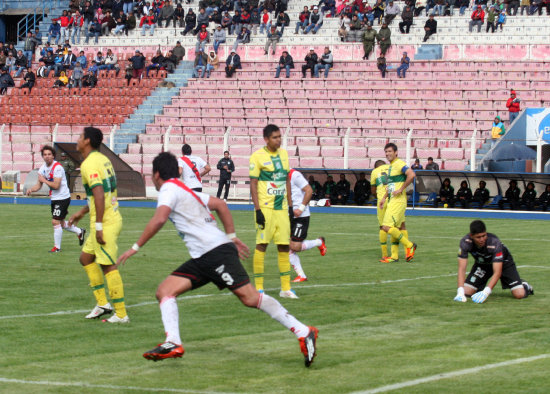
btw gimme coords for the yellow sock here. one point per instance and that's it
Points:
(405, 233)
(96, 282)
(116, 292)
(395, 233)
(258, 267)
(284, 270)
(383, 242)
(394, 248)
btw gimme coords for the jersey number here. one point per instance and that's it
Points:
(56, 212)
(226, 277)
(479, 273)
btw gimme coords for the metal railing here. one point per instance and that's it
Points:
(32, 19)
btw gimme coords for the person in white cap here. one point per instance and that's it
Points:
(311, 60)
(315, 21)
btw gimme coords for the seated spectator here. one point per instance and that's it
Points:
(20, 63)
(361, 190)
(46, 62)
(325, 62)
(148, 22)
(497, 130)
(110, 62)
(273, 37)
(430, 27)
(93, 30)
(166, 14)
(544, 199)
(213, 63)
(329, 7)
(156, 63)
(282, 21)
(121, 26)
(317, 189)
(407, 20)
(232, 63)
(202, 19)
(343, 31)
(245, 19)
(529, 197)
(432, 165)
(178, 51)
(341, 191)
(242, 38)
(446, 195)
(381, 64)
(54, 31)
(404, 66)
(311, 61)
(89, 80)
(378, 10)
(477, 19)
(201, 60)
(203, 38)
(328, 187)
(219, 38)
(501, 20)
(511, 196)
(235, 23)
(463, 6)
(45, 49)
(95, 69)
(107, 24)
(226, 22)
(179, 16)
(464, 195)
(417, 165)
(303, 20)
(190, 22)
(170, 62)
(439, 7)
(355, 30)
(481, 195)
(392, 10)
(29, 79)
(384, 38)
(63, 80)
(6, 81)
(265, 21)
(76, 76)
(131, 22)
(286, 62)
(315, 21)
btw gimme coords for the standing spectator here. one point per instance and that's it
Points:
(285, 62)
(512, 8)
(166, 14)
(76, 23)
(529, 197)
(68, 166)
(178, 51)
(255, 20)
(265, 21)
(544, 199)
(315, 21)
(501, 20)
(311, 60)
(76, 79)
(477, 19)
(28, 48)
(464, 195)
(525, 5)
(127, 6)
(439, 7)
(407, 19)
(29, 79)
(156, 63)
(273, 37)
(232, 63)
(190, 22)
(361, 190)
(329, 7)
(513, 106)
(201, 60)
(511, 196)
(20, 63)
(481, 195)
(282, 20)
(432, 166)
(242, 38)
(446, 195)
(325, 62)
(64, 20)
(405, 61)
(417, 165)
(392, 10)
(369, 36)
(226, 167)
(491, 17)
(303, 20)
(138, 64)
(328, 187)
(378, 10)
(341, 191)
(430, 27)
(497, 130)
(384, 38)
(316, 187)
(179, 16)
(381, 64)
(219, 38)
(203, 38)
(6, 81)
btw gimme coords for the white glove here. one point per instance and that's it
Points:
(482, 295)
(460, 297)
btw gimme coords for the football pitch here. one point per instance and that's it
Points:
(382, 327)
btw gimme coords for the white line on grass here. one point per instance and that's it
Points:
(104, 386)
(454, 374)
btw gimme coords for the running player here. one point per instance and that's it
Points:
(192, 169)
(301, 193)
(493, 261)
(214, 258)
(52, 174)
(399, 177)
(100, 250)
(269, 186)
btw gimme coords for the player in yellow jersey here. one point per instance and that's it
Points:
(270, 190)
(399, 177)
(379, 182)
(100, 251)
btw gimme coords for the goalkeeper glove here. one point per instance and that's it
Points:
(481, 296)
(460, 297)
(260, 219)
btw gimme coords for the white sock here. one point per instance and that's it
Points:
(311, 244)
(295, 262)
(274, 309)
(71, 228)
(170, 319)
(57, 236)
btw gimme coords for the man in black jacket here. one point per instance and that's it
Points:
(511, 196)
(156, 63)
(430, 27)
(30, 79)
(232, 63)
(6, 81)
(481, 195)
(285, 62)
(341, 191)
(226, 168)
(311, 61)
(361, 190)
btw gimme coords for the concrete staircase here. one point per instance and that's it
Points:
(154, 105)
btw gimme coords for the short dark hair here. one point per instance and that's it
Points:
(391, 145)
(430, 158)
(94, 135)
(477, 227)
(379, 163)
(270, 129)
(186, 149)
(166, 165)
(47, 147)
(484, 183)
(225, 151)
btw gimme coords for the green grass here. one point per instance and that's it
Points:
(374, 329)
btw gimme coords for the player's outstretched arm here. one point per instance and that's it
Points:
(215, 204)
(461, 277)
(155, 224)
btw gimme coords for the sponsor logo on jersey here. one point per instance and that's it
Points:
(276, 189)
(251, 166)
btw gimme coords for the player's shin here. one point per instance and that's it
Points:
(284, 270)
(295, 262)
(309, 244)
(274, 309)
(383, 237)
(258, 267)
(170, 319)
(57, 235)
(71, 228)
(394, 248)
(116, 292)
(96, 283)
(395, 233)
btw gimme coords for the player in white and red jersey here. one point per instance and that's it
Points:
(301, 195)
(52, 174)
(192, 169)
(214, 258)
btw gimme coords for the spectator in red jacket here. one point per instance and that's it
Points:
(64, 20)
(513, 106)
(478, 17)
(148, 22)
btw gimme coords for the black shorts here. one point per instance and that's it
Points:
(220, 266)
(481, 273)
(60, 208)
(298, 229)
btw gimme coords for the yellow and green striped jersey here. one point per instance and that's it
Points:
(396, 179)
(97, 170)
(379, 178)
(271, 170)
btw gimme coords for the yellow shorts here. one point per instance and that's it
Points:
(277, 227)
(104, 254)
(381, 212)
(395, 214)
